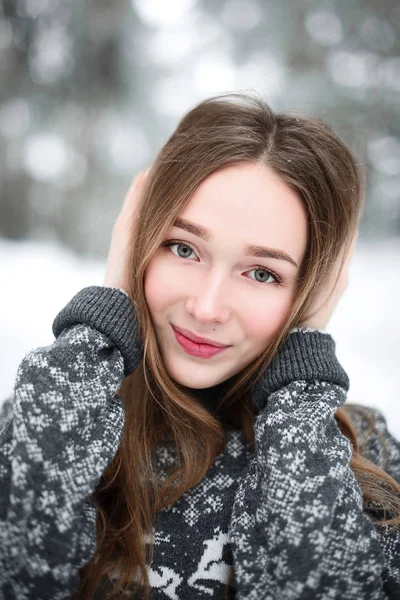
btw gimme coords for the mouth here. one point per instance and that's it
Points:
(200, 350)
(197, 339)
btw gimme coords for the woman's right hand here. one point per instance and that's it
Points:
(123, 233)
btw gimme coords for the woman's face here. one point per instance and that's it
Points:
(214, 287)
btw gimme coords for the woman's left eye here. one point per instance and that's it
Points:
(269, 276)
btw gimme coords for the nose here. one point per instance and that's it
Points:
(209, 303)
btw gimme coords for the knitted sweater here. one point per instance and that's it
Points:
(290, 518)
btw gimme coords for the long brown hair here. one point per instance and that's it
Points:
(318, 166)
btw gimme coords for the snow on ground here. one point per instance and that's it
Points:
(38, 279)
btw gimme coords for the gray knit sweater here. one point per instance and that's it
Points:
(289, 518)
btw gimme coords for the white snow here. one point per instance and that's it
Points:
(38, 279)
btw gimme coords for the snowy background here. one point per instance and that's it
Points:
(90, 90)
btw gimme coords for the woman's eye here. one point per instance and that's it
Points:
(187, 250)
(266, 276)
(184, 251)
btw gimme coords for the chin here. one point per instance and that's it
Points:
(194, 381)
(194, 376)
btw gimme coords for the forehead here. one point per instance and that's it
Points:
(249, 204)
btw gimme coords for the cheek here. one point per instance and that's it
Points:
(266, 317)
(158, 287)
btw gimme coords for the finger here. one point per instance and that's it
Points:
(132, 196)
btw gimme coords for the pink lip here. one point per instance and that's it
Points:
(195, 349)
(195, 338)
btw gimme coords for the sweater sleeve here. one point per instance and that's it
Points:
(63, 430)
(299, 530)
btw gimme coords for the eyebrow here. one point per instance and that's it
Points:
(250, 250)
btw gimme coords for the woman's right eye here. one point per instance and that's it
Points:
(184, 245)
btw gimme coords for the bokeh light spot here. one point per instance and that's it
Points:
(324, 27)
(158, 13)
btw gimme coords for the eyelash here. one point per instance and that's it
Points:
(278, 280)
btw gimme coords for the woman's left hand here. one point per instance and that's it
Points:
(330, 294)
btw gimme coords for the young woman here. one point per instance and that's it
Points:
(141, 461)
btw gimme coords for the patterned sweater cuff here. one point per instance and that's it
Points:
(111, 312)
(306, 355)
